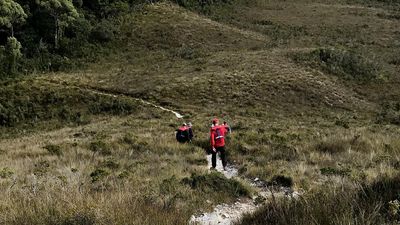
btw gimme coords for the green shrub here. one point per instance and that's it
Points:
(345, 63)
(334, 171)
(342, 123)
(41, 168)
(197, 161)
(6, 173)
(129, 139)
(389, 114)
(53, 149)
(100, 147)
(98, 174)
(187, 52)
(201, 5)
(216, 182)
(123, 175)
(114, 106)
(110, 164)
(103, 32)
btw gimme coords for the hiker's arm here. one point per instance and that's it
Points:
(212, 142)
(190, 133)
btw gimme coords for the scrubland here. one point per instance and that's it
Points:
(309, 88)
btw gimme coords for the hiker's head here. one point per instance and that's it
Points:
(215, 121)
(184, 124)
(225, 123)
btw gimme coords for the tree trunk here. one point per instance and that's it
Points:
(12, 30)
(56, 36)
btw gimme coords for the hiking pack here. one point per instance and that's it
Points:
(184, 134)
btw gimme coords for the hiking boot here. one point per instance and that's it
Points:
(225, 168)
(212, 168)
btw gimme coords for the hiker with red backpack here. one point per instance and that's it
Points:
(217, 141)
(184, 133)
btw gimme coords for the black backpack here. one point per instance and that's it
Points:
(182, 136)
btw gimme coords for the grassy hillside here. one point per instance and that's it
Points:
(309, 87)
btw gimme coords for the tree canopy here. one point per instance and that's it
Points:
(11, 13)
(61, 9)
(63, 12)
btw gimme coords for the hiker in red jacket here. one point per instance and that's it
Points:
(217, 141)
(184, 133)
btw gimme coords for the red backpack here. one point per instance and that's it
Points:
(218, 136)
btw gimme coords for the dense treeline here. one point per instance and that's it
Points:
(49, 34)
(43, 35)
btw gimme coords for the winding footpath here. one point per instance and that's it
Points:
(227, 214)
(223, 214)
(109, 93)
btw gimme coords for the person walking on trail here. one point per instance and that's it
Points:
(184, 133)
(217, 141)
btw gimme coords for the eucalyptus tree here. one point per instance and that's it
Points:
(13, 53)
(63, 13)
(11, 13)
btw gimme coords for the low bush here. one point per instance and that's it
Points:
(110, 164)
(203, 6)
(99, 174)
(334, 171)
(103, 32)
(53, 149)
(216, 182)
(41, 168)
(6, 173)
(113, 106)
(389, 114)
(100, 147)
(344, 63)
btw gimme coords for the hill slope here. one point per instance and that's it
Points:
(79, 148)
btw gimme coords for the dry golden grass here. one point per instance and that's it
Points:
(130, 188)
(287, 120)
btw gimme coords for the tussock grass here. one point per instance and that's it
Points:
(143, 173)
(120, 163)
(357, 204)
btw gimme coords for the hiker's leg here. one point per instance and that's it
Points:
(223, 156)
(214, 159)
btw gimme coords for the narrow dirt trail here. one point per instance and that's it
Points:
(227, 214)
(115, 95)
(223, 214)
